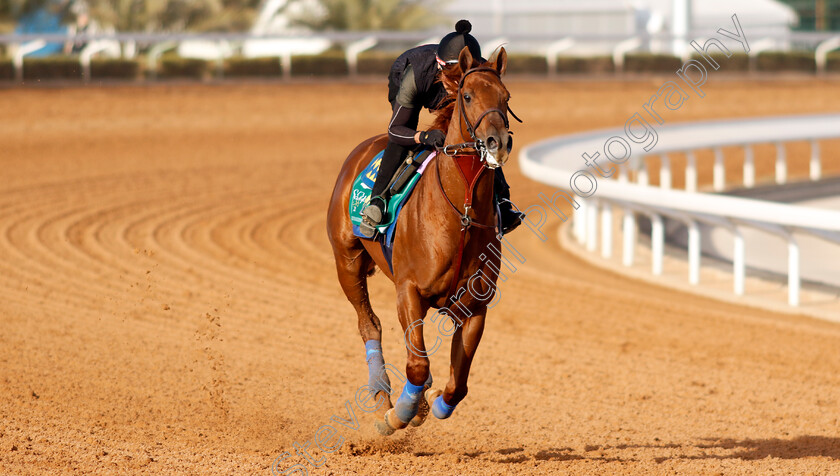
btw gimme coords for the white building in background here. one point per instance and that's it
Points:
(596, 25)
(497, 19)
(274, 17)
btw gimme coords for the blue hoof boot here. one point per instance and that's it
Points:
(407, 405)
(441, 410)
(423, 407)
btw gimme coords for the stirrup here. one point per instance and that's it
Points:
(367, 230)
(372, 216)
(374, 213)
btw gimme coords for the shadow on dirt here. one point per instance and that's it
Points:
(708, 448)
(753, 449)
(799, 447)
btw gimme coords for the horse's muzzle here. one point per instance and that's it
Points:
(497, 150)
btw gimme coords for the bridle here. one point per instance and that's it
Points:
(477, 143)
(480, 151)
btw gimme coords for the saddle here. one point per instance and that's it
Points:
(399, 189)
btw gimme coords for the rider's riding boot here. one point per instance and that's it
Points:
(510, 215)
(511, 218)
(374, 213)
(372, 216)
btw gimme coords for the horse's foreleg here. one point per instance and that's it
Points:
(410, 407)
(464, 345)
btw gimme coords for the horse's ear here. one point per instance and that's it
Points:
(465, 60)
(500, 60)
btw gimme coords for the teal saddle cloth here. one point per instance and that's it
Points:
(360, 197)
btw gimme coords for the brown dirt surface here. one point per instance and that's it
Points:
(168, 303)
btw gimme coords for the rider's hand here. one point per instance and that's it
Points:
(434, 138)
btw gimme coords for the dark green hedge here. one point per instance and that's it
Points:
(651, 63)
(735, 63)
(526, 64)
(51, 67)
(7, 70)
(171, 66)
(376, 63)
(833, 61)
(786, 61)
(578, 65)
(536, 64)
(331, 63)
(114, 68)
(249, 67)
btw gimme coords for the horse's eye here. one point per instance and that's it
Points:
(467, 97)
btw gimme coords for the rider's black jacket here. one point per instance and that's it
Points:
(413, 85)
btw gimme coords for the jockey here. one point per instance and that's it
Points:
(412, 85)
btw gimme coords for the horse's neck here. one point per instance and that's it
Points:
(456, 189)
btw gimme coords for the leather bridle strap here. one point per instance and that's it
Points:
(470, 127)
(466, 220)
(478, 145)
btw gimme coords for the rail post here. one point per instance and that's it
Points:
(606, 229)
(781, 163)
(23, 50)
(719, 171)
(749, 166)
(657, 238)
(815, 166)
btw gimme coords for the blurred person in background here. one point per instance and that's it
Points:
(82, 25)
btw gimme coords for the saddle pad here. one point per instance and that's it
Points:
(362, 186)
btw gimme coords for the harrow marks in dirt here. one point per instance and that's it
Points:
(168, 304)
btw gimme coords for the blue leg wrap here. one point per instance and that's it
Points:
(377, 378)
(406, 406)
(441, 410)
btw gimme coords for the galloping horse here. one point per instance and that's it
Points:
(440, 246)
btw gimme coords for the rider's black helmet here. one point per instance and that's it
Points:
(452, 44)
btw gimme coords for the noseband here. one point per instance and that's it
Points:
(477, 143)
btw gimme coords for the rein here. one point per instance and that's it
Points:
(469, 182)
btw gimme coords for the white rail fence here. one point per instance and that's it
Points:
(218, 46)
(558, 162)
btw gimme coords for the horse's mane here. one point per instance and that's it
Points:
(449, 78)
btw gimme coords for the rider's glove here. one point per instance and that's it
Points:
(434, 138)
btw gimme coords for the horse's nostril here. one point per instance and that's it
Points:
(492, 143)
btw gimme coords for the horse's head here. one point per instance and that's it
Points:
(480, 113)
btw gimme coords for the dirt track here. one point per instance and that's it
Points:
(168, 303)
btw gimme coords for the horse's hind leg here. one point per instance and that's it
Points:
(353, 271)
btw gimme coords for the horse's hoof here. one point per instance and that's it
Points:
(430, 396)
(423, 408)
(393, 422)
(383, 427)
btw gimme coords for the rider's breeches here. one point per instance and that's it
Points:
(394, 152)
(391, 159)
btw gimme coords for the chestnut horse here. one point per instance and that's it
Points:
(439, 243)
